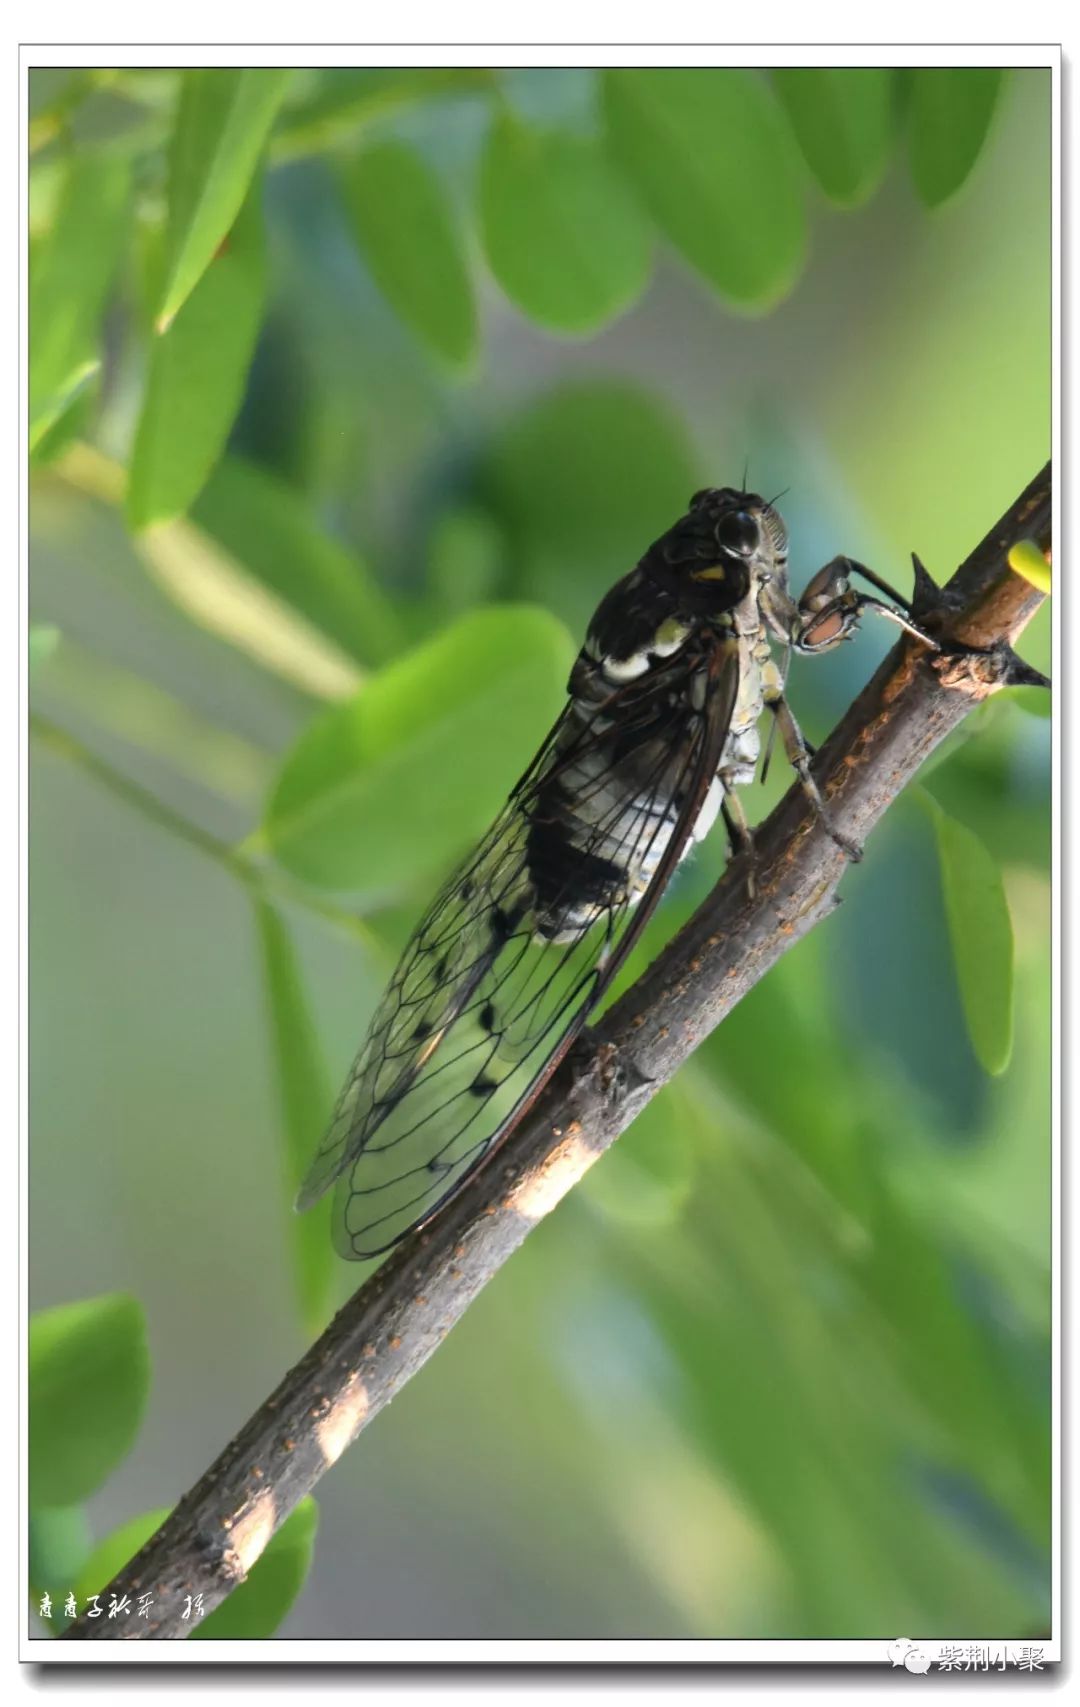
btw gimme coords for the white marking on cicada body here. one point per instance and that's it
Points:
(709, 813)
(626, 669)
(669, 637)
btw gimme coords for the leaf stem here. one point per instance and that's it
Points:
(262, 881)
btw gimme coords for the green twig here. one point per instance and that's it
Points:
(262, 881)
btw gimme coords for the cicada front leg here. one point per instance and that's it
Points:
(829, 612)
(831, 609)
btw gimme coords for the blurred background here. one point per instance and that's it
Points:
(779, 1367)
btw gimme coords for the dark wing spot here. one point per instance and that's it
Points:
(483, 1087)
(466, 890)
(420, 1031)
(487, 1016)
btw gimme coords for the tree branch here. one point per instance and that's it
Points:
(397, 1318)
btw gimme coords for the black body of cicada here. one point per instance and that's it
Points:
(522, 940)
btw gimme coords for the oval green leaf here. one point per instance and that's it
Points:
(223, 120)
(391, 785)
(71, 270)
(950, 114)
(306, 1101)
(266, 525)
(406, 229)
(88, 1381)
(583, 480)
(844, 121)
(465, 555)
(712, 158)
(560, 231)
(257, 1607)
(980, 931)
(254, 1609)
(60, 1544)
(198, 368)
(600, 466)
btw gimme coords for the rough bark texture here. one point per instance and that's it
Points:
(397, 1318)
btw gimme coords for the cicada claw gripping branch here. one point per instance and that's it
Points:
(955, 648)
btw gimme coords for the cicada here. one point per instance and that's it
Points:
(660, 730)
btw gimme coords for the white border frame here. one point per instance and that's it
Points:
(441, 1652)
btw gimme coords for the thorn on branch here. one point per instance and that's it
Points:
(981, 671)
(1018, 674)
(926, 596)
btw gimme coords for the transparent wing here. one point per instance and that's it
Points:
(483, 1003)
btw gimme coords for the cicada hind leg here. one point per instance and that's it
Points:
(798, 757)
(740, 836)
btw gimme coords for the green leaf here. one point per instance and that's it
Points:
(198, 368)
(645, 1180)
(1036, 702)
(844, 121)
(72, 422)
(951, 110)
(1026, 559)
(406, 228)
(257, 1607)
(71, 270)
(254, 1609)
(88, 1382)
(306, 1101)
(583, 480)
(112, 1554)
(60, 1544)
(389, 786)
(223, 120)
(345, 100)
(712, 159)
(560, 232)
(42, 642)
(466, 552)
(267, 527)
(980, 931)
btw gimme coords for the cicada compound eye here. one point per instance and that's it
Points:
(737, 531)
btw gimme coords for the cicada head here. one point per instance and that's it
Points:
(731, 545)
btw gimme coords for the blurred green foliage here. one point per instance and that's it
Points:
(351, 393)
(87, 1361)
(89, 1378)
